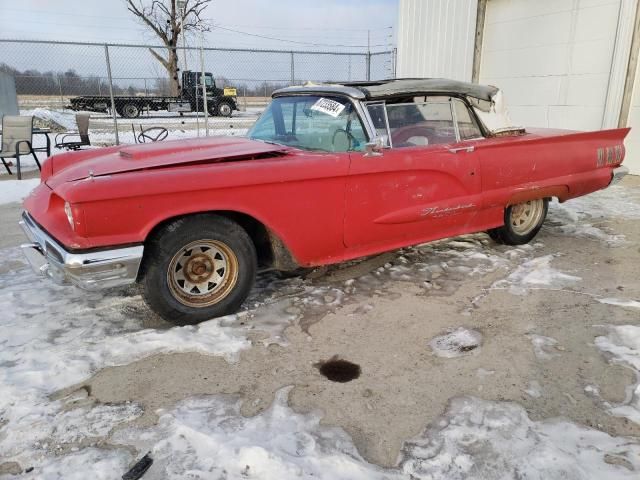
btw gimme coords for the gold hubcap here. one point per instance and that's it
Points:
(526, 216)
(202, 273)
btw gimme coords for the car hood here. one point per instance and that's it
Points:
(115, 160)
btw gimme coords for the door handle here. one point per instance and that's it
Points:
(462, 149)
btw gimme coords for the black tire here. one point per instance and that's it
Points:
(507, 234)
(173, 253)
(129, 110)
(224, 109)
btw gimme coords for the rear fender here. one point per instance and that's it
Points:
(561, 192)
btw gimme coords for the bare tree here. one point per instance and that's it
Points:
(168, 21)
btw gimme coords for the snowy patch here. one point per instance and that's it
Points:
(53, 337)
(207, 437)
(583, 216)
(93, 463)
(620, 303)
(535, 273)
(543, 347)
(456, 343)
(481, 439)
(613, 202)
(16, 190)
(623, 344)
(592, 390)
(483, 372)
(534, 389)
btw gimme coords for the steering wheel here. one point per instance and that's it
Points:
(153, 134)
(349, 135)
(402, 134)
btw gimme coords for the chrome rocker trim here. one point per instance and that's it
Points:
(90, 271)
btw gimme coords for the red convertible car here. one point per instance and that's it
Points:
(328, 173)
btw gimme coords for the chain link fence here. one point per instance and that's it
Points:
(50, 75)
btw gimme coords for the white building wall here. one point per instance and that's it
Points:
(436, 38)
(552, 58)
(632, 144)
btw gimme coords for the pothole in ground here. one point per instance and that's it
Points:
(338, 370)
(456, 343)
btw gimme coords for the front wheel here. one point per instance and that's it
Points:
(522, 222)
(225, 109)
(198, 268)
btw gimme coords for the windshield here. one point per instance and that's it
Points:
(329, 124)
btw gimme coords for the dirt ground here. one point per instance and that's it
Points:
(403, 387)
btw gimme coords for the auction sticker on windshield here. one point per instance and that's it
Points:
(330, 107)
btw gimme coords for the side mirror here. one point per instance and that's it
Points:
(375, 147)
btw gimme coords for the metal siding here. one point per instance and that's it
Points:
(552, 59)
(436, 38)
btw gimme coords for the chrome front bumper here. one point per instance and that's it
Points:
(618, 174)
(89, 271)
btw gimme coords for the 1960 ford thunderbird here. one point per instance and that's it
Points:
(328, 173)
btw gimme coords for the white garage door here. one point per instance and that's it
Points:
(552, 58)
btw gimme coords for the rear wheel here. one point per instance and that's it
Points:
(522, 222)
(129, 110)
(198, 268)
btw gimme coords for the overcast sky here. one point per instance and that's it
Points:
(322, 22)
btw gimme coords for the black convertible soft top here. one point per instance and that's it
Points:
(398, 88)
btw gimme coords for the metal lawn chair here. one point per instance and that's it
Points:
(151, 134)
(17, 140)
(75, 140)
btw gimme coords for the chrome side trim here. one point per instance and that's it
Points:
(89, 271)
(618, 174)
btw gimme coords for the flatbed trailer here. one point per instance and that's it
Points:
(220, 101)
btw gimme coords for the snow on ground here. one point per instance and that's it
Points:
(497, 440)
(533, 273)
(543, 347)
(206, 437)
(53, 337)
(582, 217)
(16, 190)
(534, 389)
(623, 345)
(66, 119)
(72, 334)
(458, 342)
(620, 303)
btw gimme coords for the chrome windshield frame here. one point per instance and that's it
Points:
(359, 107)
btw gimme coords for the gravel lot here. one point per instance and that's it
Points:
(475, 361)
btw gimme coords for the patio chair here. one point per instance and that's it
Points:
(75, 140)
(17, 140)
